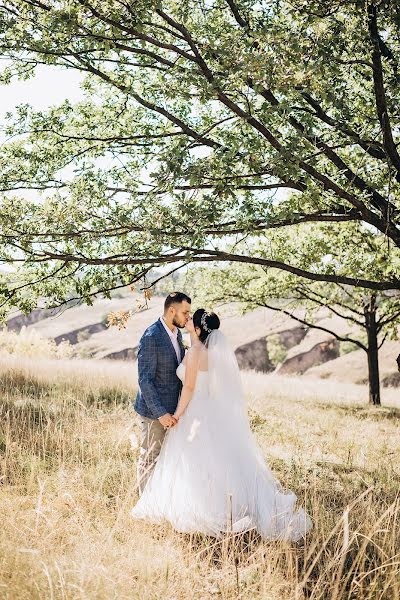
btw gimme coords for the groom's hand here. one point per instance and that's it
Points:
(167, 420)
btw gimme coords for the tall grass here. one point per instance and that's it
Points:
(68, 452)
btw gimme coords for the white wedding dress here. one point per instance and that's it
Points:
(210, 475)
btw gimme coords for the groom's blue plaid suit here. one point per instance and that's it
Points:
(159, 385)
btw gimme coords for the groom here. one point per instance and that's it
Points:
(160, 352)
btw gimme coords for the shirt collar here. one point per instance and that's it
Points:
(170, 333)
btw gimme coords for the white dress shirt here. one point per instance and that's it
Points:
(174, 339)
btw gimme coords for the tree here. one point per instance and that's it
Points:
(204, 121)
(371, 317)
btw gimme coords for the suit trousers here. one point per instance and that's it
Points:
(152, 435)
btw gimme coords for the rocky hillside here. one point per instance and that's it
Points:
(264, 340)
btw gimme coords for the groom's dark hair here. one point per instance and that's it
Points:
(176, 298)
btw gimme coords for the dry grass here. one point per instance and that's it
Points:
(68, 482)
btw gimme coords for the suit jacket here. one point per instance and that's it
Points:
(159, 385)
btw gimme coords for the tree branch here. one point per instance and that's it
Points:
(223, 229)
(306, 296)
(383, 322)
(220, 256)
(151, 106)
(379, 88)
(203, 255)
(313, 326)
(239, 297)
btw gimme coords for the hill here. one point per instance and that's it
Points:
(264, 340)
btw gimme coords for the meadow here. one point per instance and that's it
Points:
(68, 449)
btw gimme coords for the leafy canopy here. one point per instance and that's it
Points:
(203, 122)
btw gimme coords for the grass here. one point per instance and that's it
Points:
(68, 454)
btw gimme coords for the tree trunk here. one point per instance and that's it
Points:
(372, 351)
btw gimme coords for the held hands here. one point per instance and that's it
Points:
(168, 421)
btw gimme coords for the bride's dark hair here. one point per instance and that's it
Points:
(206, 321)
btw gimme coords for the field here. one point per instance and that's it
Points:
(68, 452)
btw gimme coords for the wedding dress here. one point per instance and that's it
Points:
(210, 475)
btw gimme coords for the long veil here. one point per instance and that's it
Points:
(228, 398)
(224, 376)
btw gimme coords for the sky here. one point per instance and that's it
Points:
(51, 85)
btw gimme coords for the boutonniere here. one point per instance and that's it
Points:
(185, 346)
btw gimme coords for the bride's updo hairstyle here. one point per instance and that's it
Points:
(206, 321)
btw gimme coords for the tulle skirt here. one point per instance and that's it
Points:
(210, 477)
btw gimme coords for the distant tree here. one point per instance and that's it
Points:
(203, 121)
(371, 317)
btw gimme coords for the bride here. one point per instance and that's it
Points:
(210, 476)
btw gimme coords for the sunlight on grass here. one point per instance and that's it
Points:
(68, 457)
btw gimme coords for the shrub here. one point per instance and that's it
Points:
(30, 343)
(347, 347)
(276, 350)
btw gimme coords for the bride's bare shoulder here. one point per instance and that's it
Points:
(198, 357)
(197, 352)
(193, 351)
